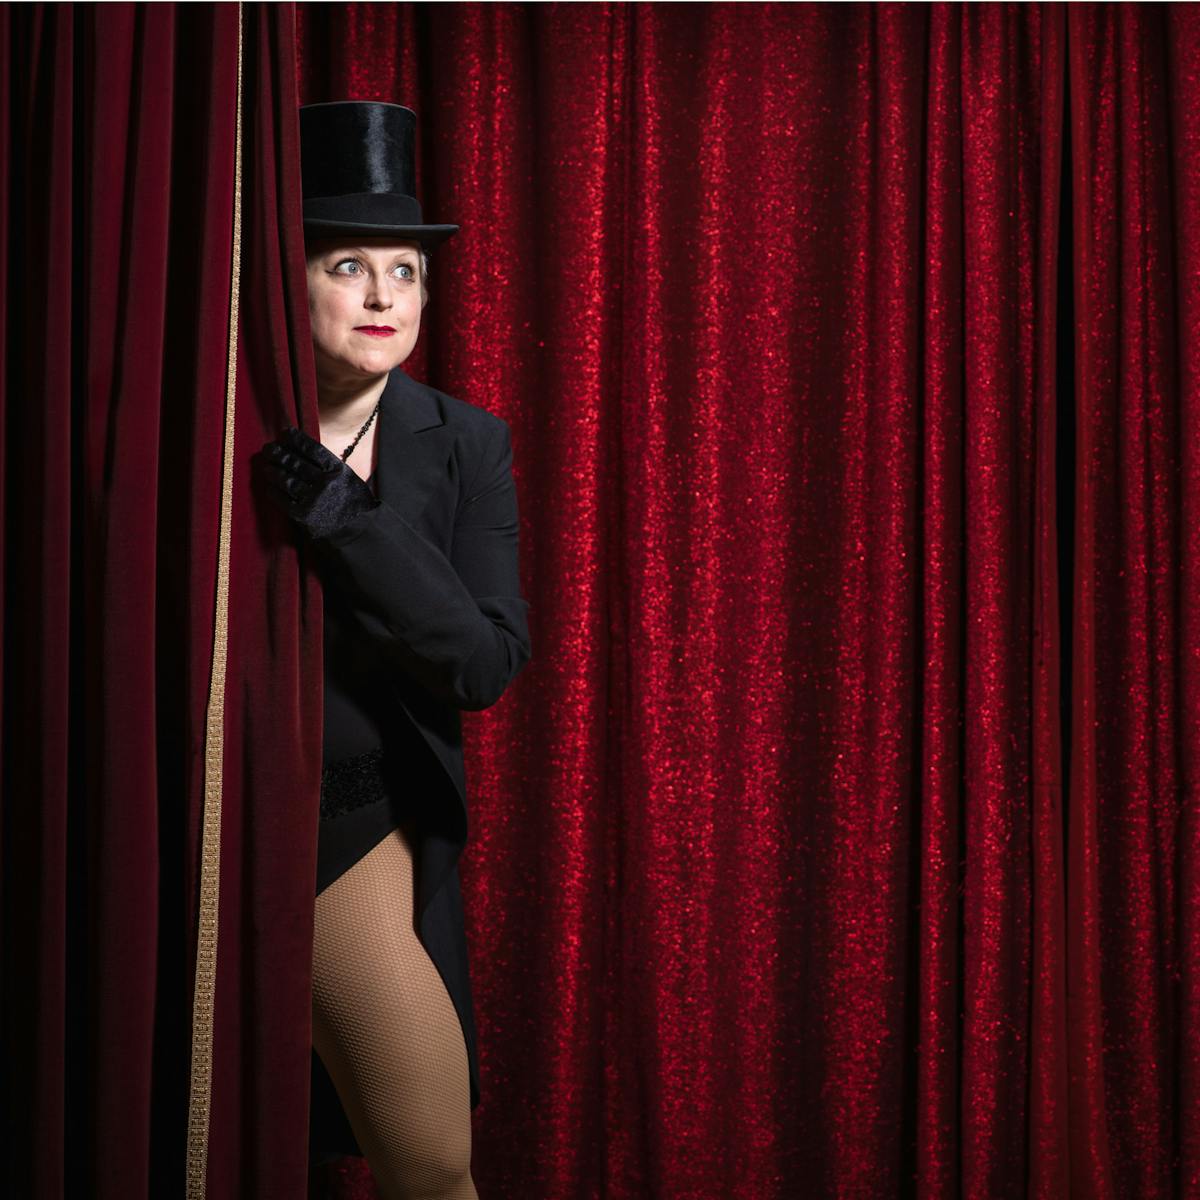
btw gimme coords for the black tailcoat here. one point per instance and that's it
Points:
(431, 578)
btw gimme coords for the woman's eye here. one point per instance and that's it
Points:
(404, 271)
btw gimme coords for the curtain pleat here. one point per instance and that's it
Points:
(120, 309)
(1182, 53)
(1133, 885)
(39, 250)
(273, 718)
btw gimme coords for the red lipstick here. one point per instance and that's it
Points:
(375, 330)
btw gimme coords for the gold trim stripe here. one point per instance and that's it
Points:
(200, 1094)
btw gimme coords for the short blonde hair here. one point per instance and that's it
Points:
(423, 271)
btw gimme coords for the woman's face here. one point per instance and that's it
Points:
(359, 288)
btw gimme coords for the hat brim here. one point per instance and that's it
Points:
(426, 235)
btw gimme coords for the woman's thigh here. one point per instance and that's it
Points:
(387, 1031)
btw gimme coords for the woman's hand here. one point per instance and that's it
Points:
(312, 485)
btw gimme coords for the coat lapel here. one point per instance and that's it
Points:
(414, 446)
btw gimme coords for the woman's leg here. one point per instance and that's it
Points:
(388, 1033)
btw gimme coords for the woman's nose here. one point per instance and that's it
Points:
(377, 298)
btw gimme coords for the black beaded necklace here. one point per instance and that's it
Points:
(350, 448)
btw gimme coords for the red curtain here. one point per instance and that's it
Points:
(118, 132)
(773, 888)
(1133, 864)
(841, 836)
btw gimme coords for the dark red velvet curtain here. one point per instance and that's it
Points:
(118, 133)
(841, 837)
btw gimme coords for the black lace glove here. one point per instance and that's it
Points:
(312, 485)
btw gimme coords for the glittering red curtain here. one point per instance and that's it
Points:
(765, 893)
(1134, 840)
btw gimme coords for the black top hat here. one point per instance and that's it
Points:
(357, 171)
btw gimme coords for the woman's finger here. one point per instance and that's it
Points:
(312, 450)
(294, 464)
(296, 489)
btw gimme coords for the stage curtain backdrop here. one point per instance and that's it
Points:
(771, 884)
(117, 135)
(767, 893)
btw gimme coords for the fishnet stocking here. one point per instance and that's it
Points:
(388, 1033)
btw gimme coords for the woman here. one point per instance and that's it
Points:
(423, 617)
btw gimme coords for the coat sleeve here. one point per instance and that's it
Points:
(456, 625)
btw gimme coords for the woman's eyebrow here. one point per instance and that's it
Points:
(365, 254)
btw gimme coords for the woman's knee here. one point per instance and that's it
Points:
(428, 1172)
(420, 1155)
(417, 1141)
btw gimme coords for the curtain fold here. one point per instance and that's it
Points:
(36, 738)
(1132, 869)
(1183, 72)
(273, 703)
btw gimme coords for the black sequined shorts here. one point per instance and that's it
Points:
(349, 783)
(358, 809)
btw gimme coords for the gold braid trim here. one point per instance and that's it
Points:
(200, 1096)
